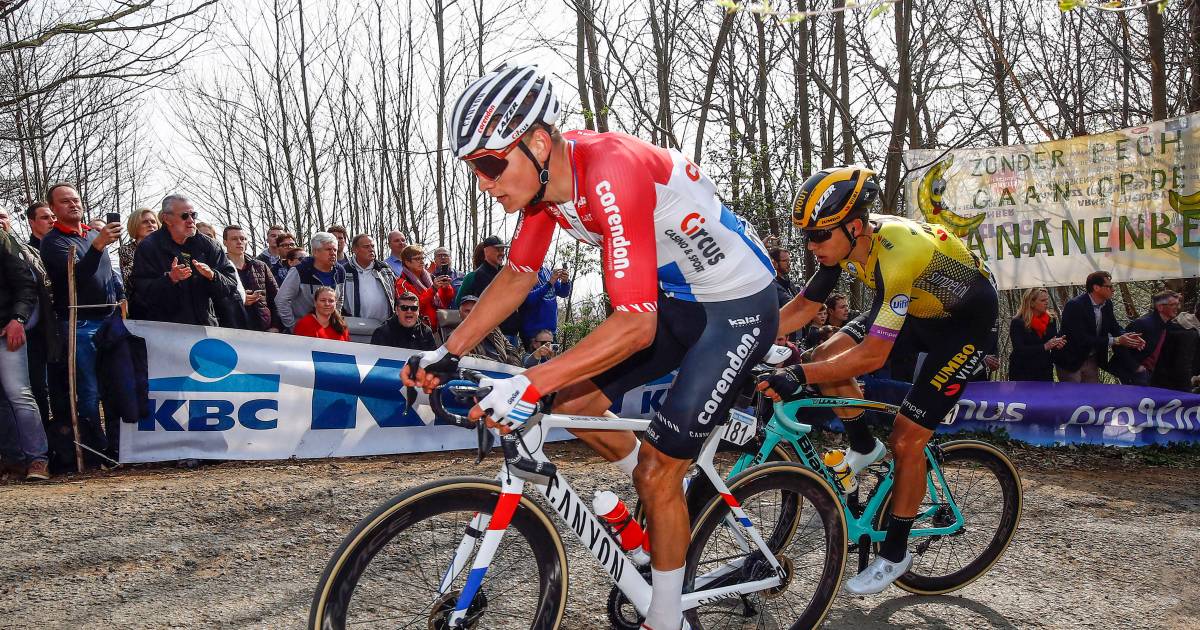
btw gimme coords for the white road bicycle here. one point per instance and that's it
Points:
(485, 553)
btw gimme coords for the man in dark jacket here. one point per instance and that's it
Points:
(478, 280)
(1091, 330)
(782, 260)
(370, 284)
(1136, 367)
(179, 276)
(404, 329)
(96, 284)
(19, 417)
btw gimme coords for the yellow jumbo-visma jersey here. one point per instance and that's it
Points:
(916, 269)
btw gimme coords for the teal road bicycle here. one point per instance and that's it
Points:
(970, 512)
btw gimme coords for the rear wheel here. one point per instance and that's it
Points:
(811, 551)
(987, 489)
(387, 572)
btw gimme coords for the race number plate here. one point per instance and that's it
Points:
(740, 428)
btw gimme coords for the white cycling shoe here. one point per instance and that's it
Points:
(878, 575)
(859, 461)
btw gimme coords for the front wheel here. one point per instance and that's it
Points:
(811, 551)
(987, 489)
(387, 573)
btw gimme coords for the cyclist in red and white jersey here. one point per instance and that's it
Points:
(690, 285)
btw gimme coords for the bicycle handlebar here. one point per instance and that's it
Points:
(464, 389)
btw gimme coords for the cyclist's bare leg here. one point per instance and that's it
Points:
(857, 431)
(585, 399)
(659, 481)
(908, 441)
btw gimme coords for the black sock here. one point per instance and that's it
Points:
(859, 434)
(895, 544)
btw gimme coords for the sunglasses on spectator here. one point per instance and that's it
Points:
(409, 309)
(818, 236)
(489, 164)
(189, 215)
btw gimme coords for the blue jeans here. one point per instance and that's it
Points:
(20, 421)
(87, 386)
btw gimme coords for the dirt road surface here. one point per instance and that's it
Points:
(241, 545)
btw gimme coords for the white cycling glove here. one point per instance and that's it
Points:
(512, 400)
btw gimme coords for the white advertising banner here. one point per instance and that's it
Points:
(1048, 214)
(218, 393)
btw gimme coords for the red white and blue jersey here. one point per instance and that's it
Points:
(658, 222)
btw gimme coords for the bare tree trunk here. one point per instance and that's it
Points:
(891, 189)
(585, 103)
(439, 25)
(309, 135)
(843, 62)
(599, 97)
(714, 66)
(1193, 56)
(1158, 61)
(763, 163)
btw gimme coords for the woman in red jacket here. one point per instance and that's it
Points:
(433, 293)
(325, 322)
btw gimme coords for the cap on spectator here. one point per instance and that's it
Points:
(468, 298)
(493, 241)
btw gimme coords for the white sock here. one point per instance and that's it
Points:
(666, 600)
(629, 462)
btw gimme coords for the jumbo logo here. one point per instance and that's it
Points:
(216, 399)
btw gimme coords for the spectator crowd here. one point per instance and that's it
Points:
(170, 266)
(167, 265)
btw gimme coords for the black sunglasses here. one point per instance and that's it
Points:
(189, 215)
(408, 309)
(818, 236)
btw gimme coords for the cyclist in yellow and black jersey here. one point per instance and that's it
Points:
(929, 289)
(917, 270)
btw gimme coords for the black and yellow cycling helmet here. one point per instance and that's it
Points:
(835, 196)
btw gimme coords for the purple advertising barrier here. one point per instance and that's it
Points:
(1076, 413)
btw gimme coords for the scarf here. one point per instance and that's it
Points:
(1038, 323)
(422, 282)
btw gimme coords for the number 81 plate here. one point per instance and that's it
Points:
(740, 428)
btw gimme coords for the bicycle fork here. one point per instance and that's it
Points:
(493, 528)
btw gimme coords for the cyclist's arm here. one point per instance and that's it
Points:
(506, 292)
(801, 309)
(863, 358)
(796, 314)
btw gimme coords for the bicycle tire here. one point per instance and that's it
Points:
(412, 520)
(818, 536)
(924, 578)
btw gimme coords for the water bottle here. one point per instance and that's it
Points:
(836, 461)
(633, 539)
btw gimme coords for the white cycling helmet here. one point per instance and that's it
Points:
(500, 106)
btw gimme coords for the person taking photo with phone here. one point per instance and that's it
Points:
(540, 310)
(541, 348)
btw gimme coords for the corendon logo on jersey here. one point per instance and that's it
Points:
(705, 243)
(737, 357)
(618, 245)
